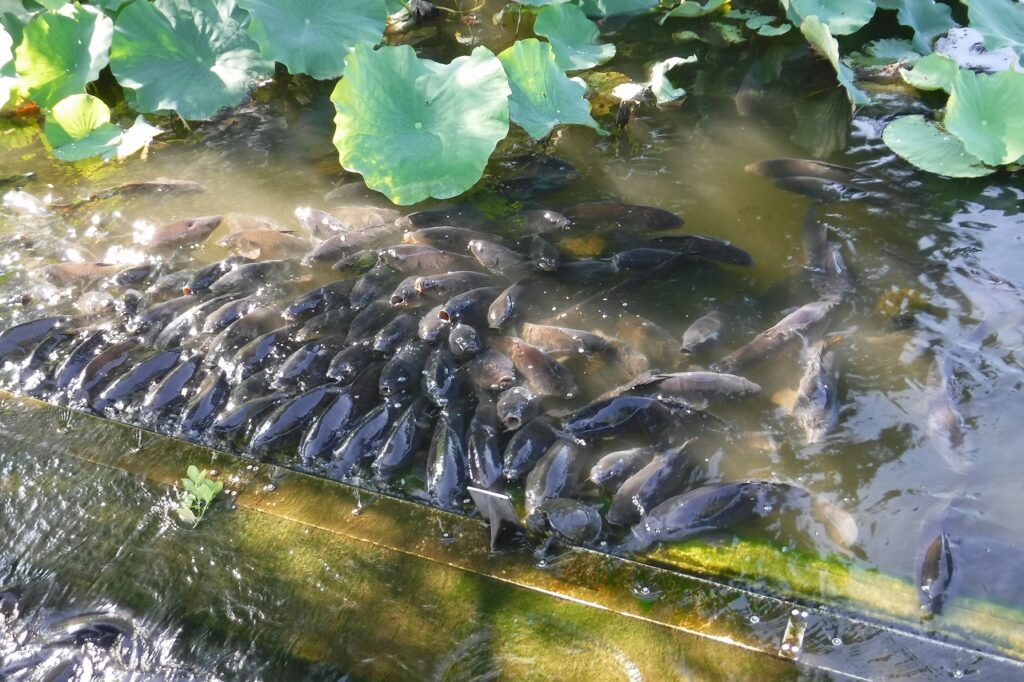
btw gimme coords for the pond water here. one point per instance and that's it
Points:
(932, 264)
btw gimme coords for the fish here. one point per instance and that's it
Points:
(189, 323)
(247, 276)
(469, 307)
(491, 371)
(563, 341)
(526, 446)
(137, 379)
(32, 375)
(444, 287)
(432, 327)
(265, 244)
(829, 191)
(186, 233)
(516, 406)
(558, 473)
(692, 386)
(446, 237)
(360, 217)
(509, 304)
(370, 320)
(73, 274)
(240, 222)
(424, 260)
(706, 248)
(347, 363)
(236, 424)
(661, 478)
(544, 255)
(166, 186)
(357, 263)
(464, 215)
(541, 220)
(373, 284)
(829, 275)
(544, 375)
(100, 370)
(364, 441)
(404, 371)
(534, 174)
(607, 215)
(342, 244)
(336, 321)
(464, 341)
(569, 520)
(499, 259)
(205, 276)
(319, 224)
(172, 391)
(816, 408)
(945, 424)
(656, 342)
(409, 435)
(234, 308)
(307, 365)
(154, 317)
(802, 321)
(257, 354)
(246, 328)
(447, 474)
(703, 334)
(621, 415)
(934, 573)
(406, 295)
(777, 168)
(483, 446)
(395, 333)
(327, 431)
(285, 425)
(203, 408)
(442, 378)
(18, 341)
(646, 259)
(612, 470)
(134, 275)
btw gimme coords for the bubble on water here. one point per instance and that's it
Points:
(958, 674)
(836, 641)
(755, 620)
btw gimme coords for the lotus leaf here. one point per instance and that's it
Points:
(840, 16)
(928, 18)
(934, 72)
(688, 9)
(137, 137)
(661, 86)
(926, 145)
(79, 127)
(62, 51)
(415, 128)
(616, 8)
(818, 35)
(13, 17)
(1001, 22)
(984, 111)
(542, 95)
(573, 37)
(312, 36)
(192, 56)
(540, 3)
(6, 57)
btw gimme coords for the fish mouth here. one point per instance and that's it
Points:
(397, 300)
(444, 315)
(513, 422)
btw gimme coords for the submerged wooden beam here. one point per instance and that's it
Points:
(296, 529)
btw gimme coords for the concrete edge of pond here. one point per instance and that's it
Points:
(818, 636)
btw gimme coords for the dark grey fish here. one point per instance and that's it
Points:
(261, 352)
(249, 276)
(646, 259)
(137, 379)
(343, 244)
(205, 405)
(527, 446)
(447, 474)
(404, 371)
(816, 408)
(558, 473)
(469, 307)
(707, 248)
(432, 328)
(360, 217)
(621, 415)
(320, 299)
(157, 315)
(231, 310)
(422, 259)
(409, 436)
(541, 220)
(607, 215)
(829, 191)
(205, 276)
(612, 470)
(563, 341)
(101, 628)
(464, 341)
(829, 275)
(934, 574)
(544, 255)
(533, 174)
(364, 441)
(374, 283)
(545, 375)
(509, 304)
(464, 215)
(369, 321)
(446, 237)
(171, 392)
(693, 386)
(800, 322)
(656, 342)
(18, 341)
(444, 287)
(236, 424)
(134, 275)
(32, 376)
(307, 365)
(358, 263)
(664, 476)
(101, 370)
(189, 323)
(810, 168)
(704, 333)
(516, 406)
(166, 186)
(491, 371)
(183, 233)
(243, 330)
(327, 431)
(944, 422)
(334, 322)
(395, 333)
(257, 384)
(586, 271)
(349, 362)
(483, 447)
(406, 295)
(285, 425)
(442, 380)
(568, 520)
(320, 224)
(499, 259)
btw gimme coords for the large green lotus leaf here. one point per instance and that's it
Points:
(926, 145)
(984, 111)
(1000, 22)
(572, 36)
(928, 18)
(615, 8)
(313, 36)
(840, 16)
(62, 51)
(191, 56)
(540, 3)
(934, 72)
(79, 127)
(542, 95)
(415, 128)
(14, 17)
(818, 35)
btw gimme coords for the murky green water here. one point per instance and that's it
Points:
(954, 247)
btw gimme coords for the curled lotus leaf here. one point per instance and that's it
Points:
(926, 145)
(415, 128)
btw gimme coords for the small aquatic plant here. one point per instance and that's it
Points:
(200, 491)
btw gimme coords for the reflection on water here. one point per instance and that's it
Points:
(933, 276)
